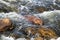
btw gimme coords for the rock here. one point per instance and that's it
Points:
(41, 9)
(58, 38)
(21, 39)
(40, 32)
(3, 37)
(5, 24)
(6, 9)
(52, 39)
(30, 31)
(56, 7)
(46, 33)
(58, 1)
(34, 20)
(38, 38)
(10, 0)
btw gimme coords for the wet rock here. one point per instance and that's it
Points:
(31, 31)
(34, 20)
(10, 0)
(46, 33)
(56, 7)
(5, 24)
(19, 34)
(3, 37)
(21, 39)
(40, 33)
(41, 9)
(6, 9)
(52, 39)
(38, 38)
(58, 2)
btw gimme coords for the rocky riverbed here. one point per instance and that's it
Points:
(29, 19)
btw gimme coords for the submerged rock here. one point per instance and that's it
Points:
(34, 19)
(6, 9)
(58, 2)
(47, 33)
(41, 9)
(38, 38)
(5, 24)
(3, 37)
(31, 19)
(40, 32)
